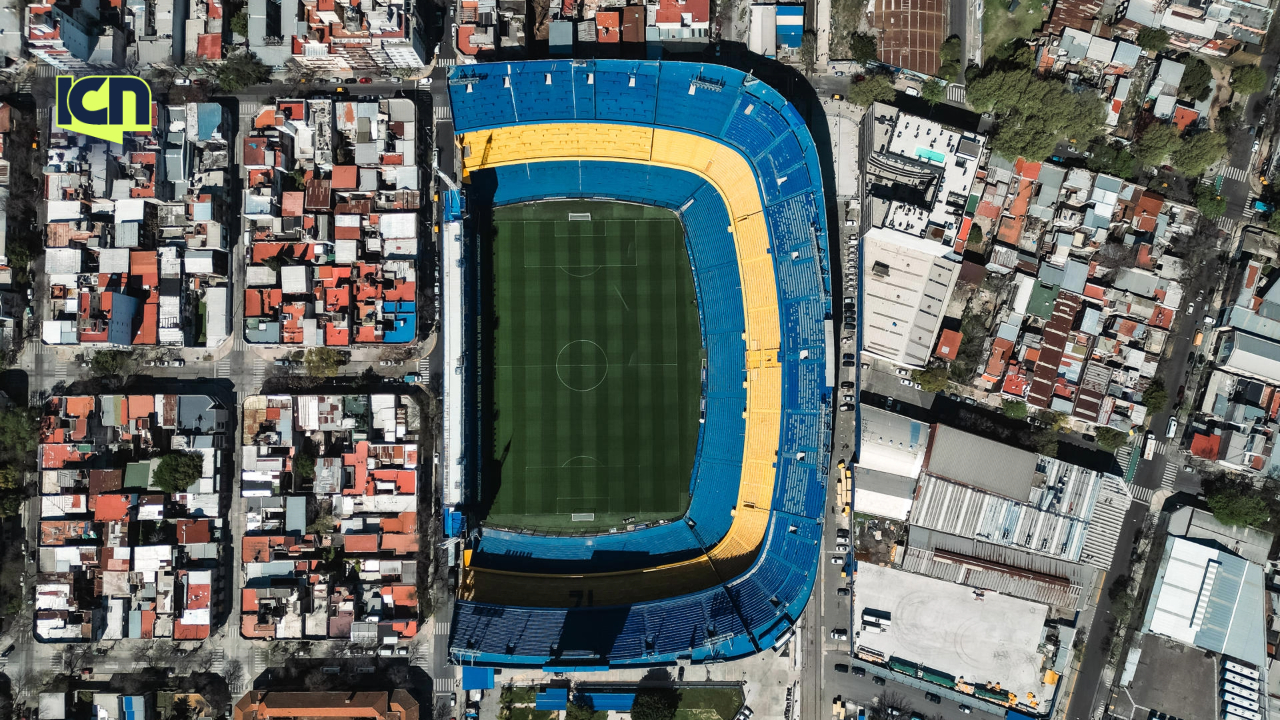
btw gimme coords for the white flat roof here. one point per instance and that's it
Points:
(947, 627)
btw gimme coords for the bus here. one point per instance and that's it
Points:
(1235, 700)
(1241, 681)
(1235, 711)
(1239, 669)
(1234, 689)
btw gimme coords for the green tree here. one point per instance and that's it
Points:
(1032, 113)
(1152, 39)
(19, 436)
(1248, 79)
(1197, 79)
(112, 362)
(1015, 409)
(12, 490)
(1155, 397)
(949, 59)
(1197, 153)
(658, 703)
(1045, 442)
(178, 471)
(975, 236)
(863, 47)
(1273, 222)
(576, 711)
(1111, 439)
(933, 92)
(932, 379)
(304, 465)
(1231, 506)
(322, 362)
(1210, 204)
(240, 70)
(1156, 143)
(809, 51)
(240, 23)
(1112, 161)
(873, 89)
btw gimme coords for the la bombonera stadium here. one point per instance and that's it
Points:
(648, 420)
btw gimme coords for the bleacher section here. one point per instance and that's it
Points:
(737, 162)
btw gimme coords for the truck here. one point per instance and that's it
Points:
(1262, 206)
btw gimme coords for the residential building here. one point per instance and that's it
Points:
(327, 476)
(331, 232)
(120, 557)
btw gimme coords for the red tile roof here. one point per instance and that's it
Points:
(345, 177)
(948, 344)
(209, 46)
(1206, 446)
(112, 507)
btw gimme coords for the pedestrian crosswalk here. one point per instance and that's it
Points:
(260, 660)
(424, 366)
(259, 369)
(1226, 223)
(1141, 494)
(1170, 477)
(55, 661)
(1105, 524)
(446, 62)
(956, 93)
(223, 368)
(1234, 173)
(1123, 456)
(217, 661)
(442, 112)
(444, 685)
(60, 371)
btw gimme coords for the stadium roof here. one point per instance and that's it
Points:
(1210, 599)
(982, 463)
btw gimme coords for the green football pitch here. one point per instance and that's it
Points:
(595, 366)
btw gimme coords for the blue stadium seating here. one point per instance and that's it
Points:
(746, 613)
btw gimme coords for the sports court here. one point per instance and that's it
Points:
(596, 366)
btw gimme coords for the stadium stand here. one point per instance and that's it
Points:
(737, 162)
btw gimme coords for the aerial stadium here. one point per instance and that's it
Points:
(638, 363)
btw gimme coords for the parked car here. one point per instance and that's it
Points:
(839, 634)
(1173, 428)
(365, 81)
(181, 81)
(177, 363)
(842, 548)
(412, 378)
(859, 671)
(837, 560)
(877, 680)
(841, 668)
(842, 533)
(842, 591)
(966, 709)
(934, 698)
